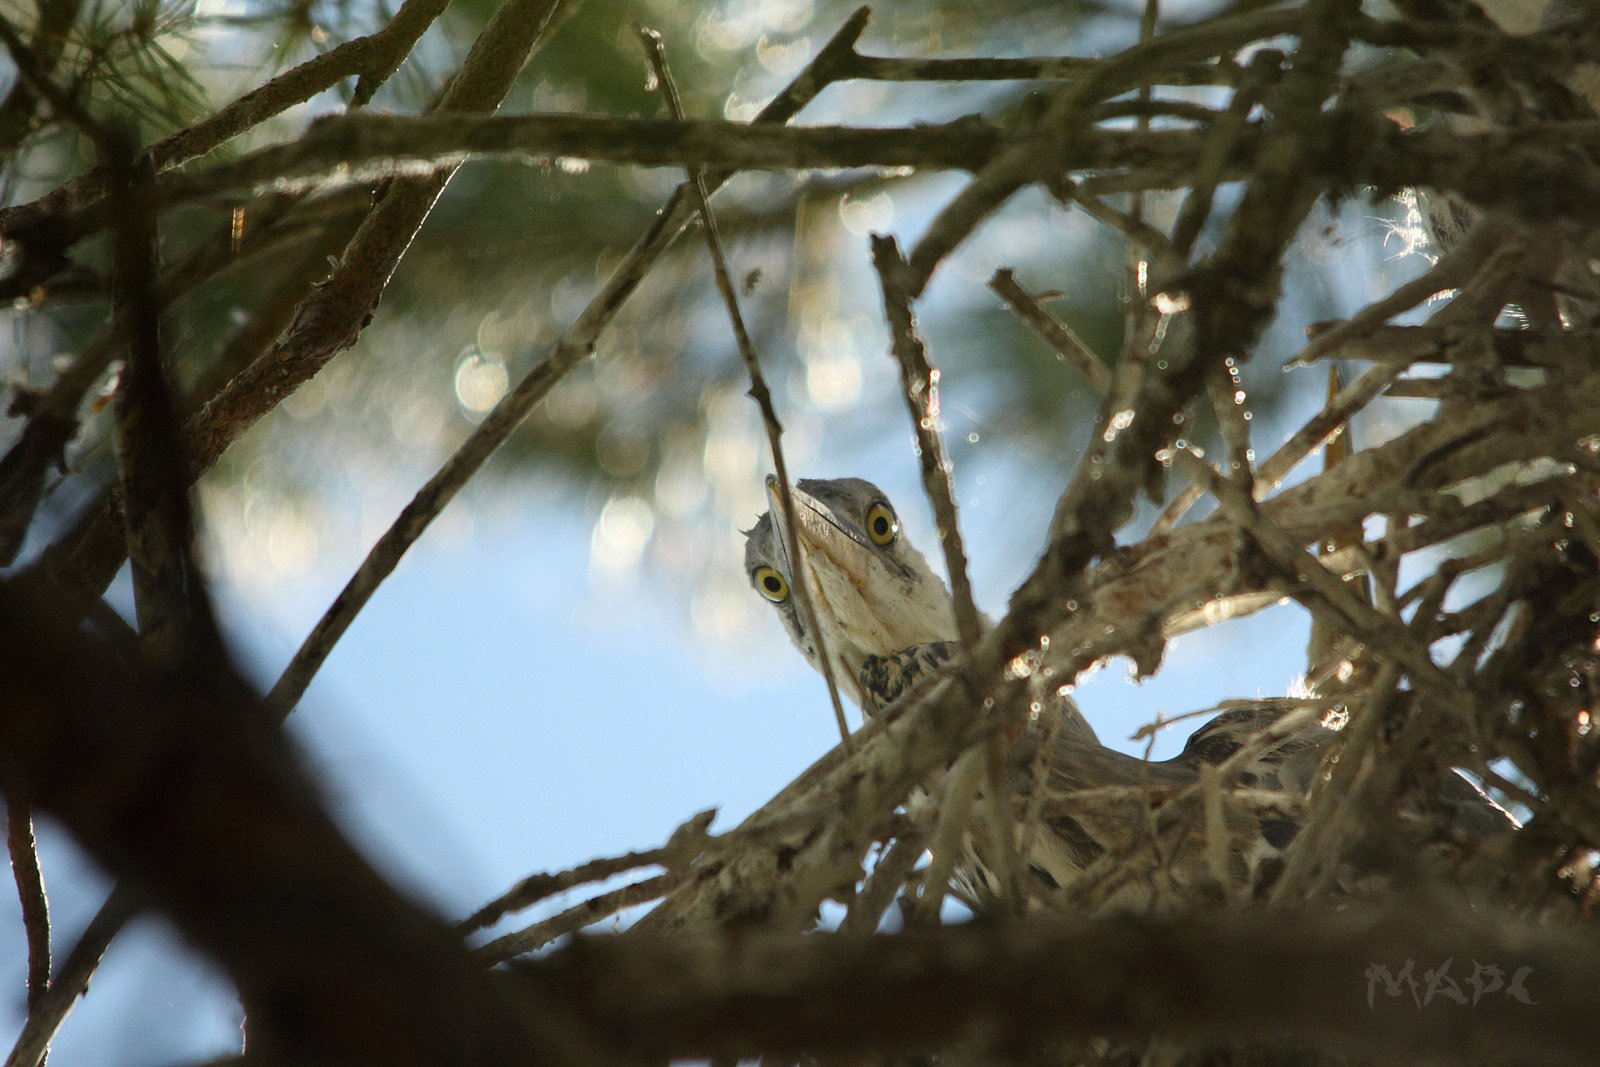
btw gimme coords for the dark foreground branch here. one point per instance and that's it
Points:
(180, 785)
(1335, 980)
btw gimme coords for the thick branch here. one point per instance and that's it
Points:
(1237, 976)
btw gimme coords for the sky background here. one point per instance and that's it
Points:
(555, 674)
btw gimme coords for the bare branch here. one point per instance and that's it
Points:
(657, 57)
(1055, 333)
(30, 892)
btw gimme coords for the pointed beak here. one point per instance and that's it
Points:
(820, 534)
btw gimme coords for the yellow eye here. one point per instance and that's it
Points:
(772, 585)
(882, 526)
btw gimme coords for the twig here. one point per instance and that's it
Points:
(948, 843)
(1061, 130)
(919, 384)
(655, 53)
(575, 918)
(30, 892)
(686, 842)
(516, 405)
(888, 875)
(1451, 272)
(1221, 143)
(1055, 333)
(919, 387)
(46, 1016)
(1323, 591)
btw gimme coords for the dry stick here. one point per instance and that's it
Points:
(919, 387)
(1141, 234)
(686, 842)
(575, 918)
(1061, 130)
(373, 57)
(1451, 272)
(516, 405)
(1226, 320)
(656, 54)
(46, 1016)
(1328, 594)
(1057, 334)
(955, 811)
(888, 875)
(538, 887)
(1221, 142)
(30, 892)
(1319, 844)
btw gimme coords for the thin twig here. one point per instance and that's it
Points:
(686, 842)
(25, 870)
(655, 52)
(46, 1017)
(1057, 334)
(1323, 592)
(949, 838)
(919, 387)
(575, 918)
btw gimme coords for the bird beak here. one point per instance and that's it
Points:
(821, 534)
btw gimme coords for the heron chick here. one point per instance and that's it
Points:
(887, 623)
(874, 595)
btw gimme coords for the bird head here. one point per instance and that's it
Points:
(874, 594)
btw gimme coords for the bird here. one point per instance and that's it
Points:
(888, 625)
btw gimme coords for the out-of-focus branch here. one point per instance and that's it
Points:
(178, 783)
(1316, 977)
(175, 620)
(374, 57)
(1055, 333)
